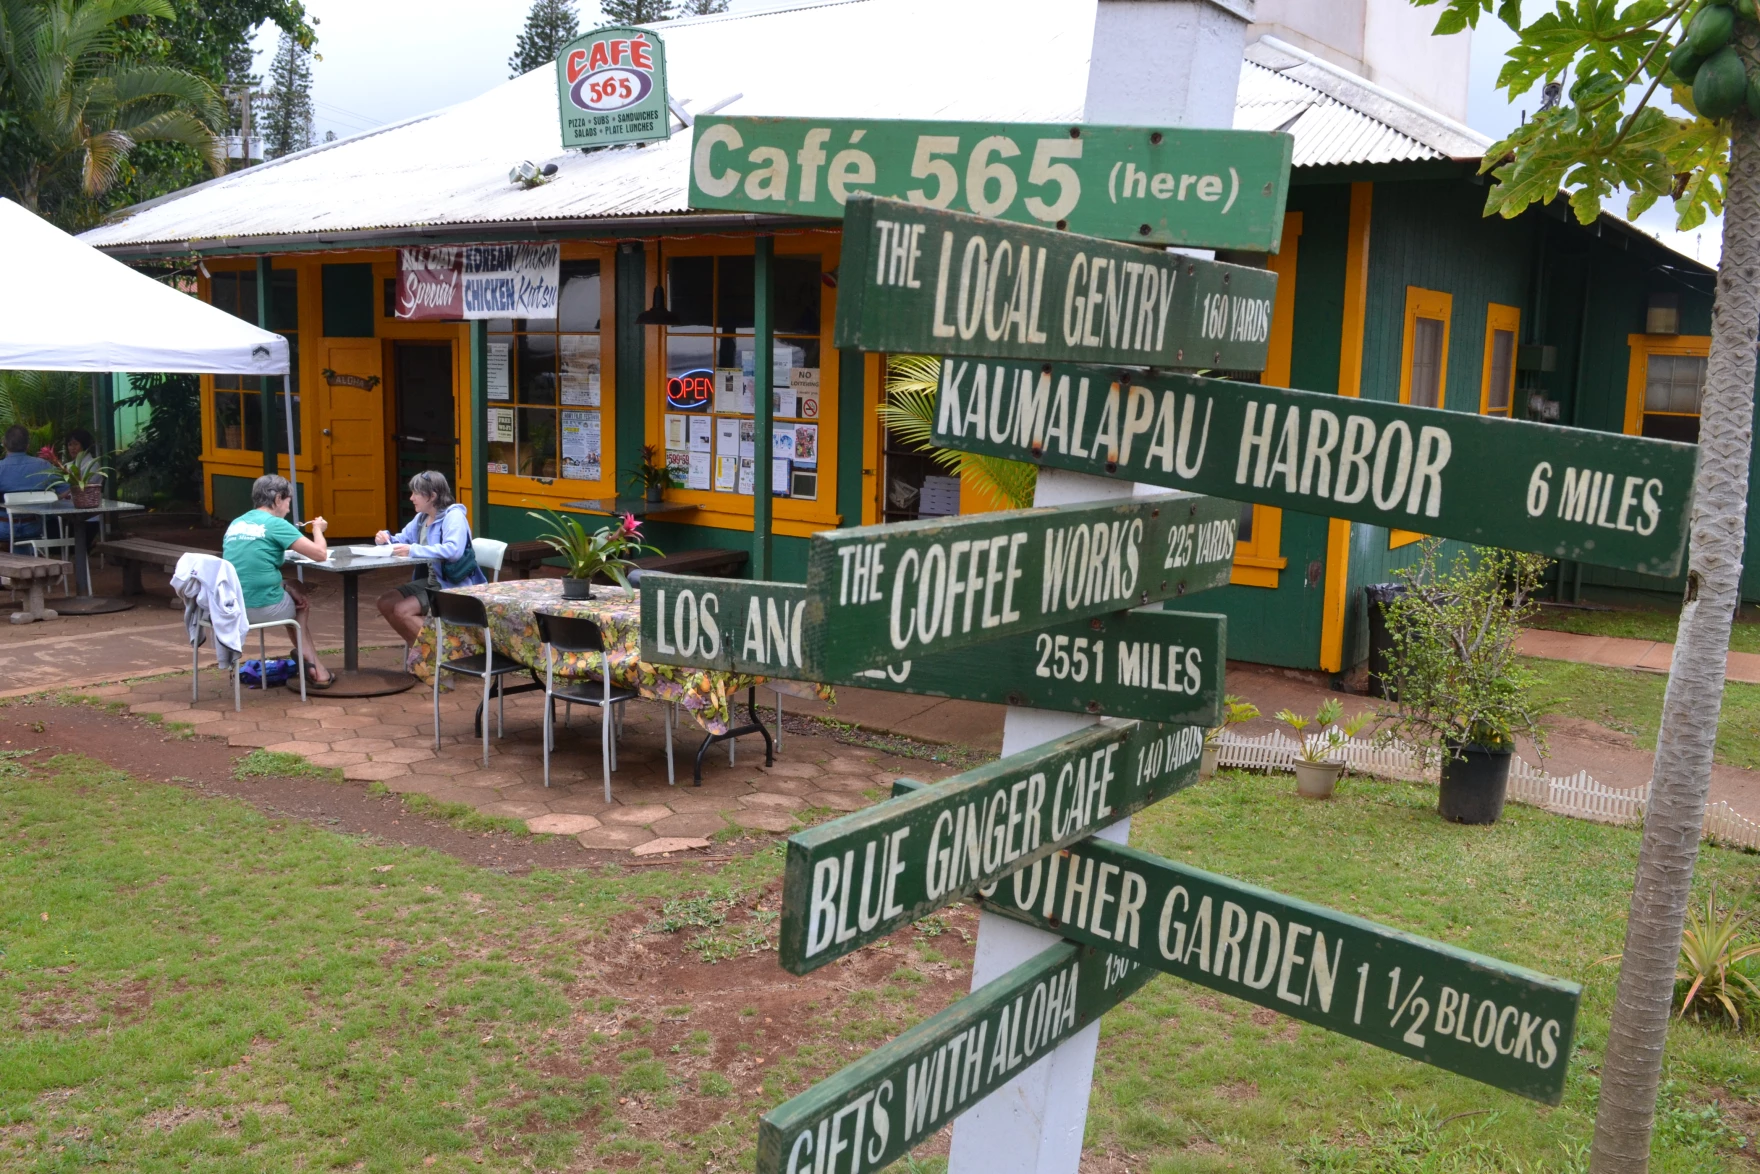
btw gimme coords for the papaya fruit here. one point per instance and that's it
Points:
(1746, 10)
(1711, 30)
(1721, 85)
(1684, 63)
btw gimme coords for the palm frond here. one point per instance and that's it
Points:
(912, 384)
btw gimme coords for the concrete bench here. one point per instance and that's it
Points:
(34, 575)
(523, 558)
(135, 554)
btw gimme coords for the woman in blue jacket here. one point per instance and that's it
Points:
(440, 533)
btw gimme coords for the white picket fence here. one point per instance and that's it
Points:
(1577, 795)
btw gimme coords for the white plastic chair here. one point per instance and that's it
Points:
(489, 553)
(44, 547)
(204, 621)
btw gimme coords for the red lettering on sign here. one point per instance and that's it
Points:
(639, 55)
(690, 391)
(577, 65)
(600, 58)
(619, 50)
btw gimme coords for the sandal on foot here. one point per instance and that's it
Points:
(313, 683)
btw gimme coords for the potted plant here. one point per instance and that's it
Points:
(606, 551)
(1454, 681)
(1234, 712)
(1317, 765)
(651, 478)
(83, 475)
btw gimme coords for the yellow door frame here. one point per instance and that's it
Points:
(1350, 383)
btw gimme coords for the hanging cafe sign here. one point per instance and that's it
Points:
(1166, 186)
(449, 283)
(611, 88)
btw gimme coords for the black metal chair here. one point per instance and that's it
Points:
(467, 611)
(576, 634)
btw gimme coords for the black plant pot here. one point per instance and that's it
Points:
(576, 588)
(1475, 780)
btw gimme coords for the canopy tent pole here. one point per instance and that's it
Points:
(764, 402)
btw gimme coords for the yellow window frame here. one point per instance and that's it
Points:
(1642, 346)
(1435, 306)
(1499, 317)
(1260, 561)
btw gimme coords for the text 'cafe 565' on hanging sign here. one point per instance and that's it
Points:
(877, 595)
(1156, 665)
(918, 281)
(1222, 189)
(611, 88)
(1596, 497)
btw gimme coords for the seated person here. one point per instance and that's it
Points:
(440, 533)
(23, 472)
(255, 545)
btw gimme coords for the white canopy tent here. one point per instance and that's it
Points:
(69, 307)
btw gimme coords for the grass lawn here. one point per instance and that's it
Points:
(1640, 624)
(186, 984)
(1630, 701)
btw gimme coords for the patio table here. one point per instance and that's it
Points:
(710, 697)
(350, 565)
(74, 516)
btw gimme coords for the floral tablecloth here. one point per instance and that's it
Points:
(708, 696)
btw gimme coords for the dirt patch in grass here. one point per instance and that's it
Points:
(209, 766)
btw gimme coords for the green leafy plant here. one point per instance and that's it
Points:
(652, 473)
(909, 412)
(1234, 712)
(1711, 953)
(80, 472)
(610, 550)
(164, 463)
(1452, 674)
(1329, 734)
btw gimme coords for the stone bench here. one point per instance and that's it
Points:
(136, 554)
(34, 575)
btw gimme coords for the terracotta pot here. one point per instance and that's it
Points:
(1207, 764)
(1316, 780)
(88, 498)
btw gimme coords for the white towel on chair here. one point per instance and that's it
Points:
(212, 594)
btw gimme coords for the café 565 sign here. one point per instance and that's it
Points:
(611, 88)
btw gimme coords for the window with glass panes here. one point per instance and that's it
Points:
(546, 387)
(1673, 387)
(710, 374)
(238, 414)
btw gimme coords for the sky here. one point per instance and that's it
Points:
(379, 65)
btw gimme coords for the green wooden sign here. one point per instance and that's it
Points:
(611, 88)
(1219, 189)
(1596, 497)
(1488, 1020)
(915, 280)
(852, 880)
(878, 595)
(900, 1094)
(1164, 666)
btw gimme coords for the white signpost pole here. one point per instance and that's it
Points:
(1160, 63)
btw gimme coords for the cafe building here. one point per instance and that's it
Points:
(1392, 285)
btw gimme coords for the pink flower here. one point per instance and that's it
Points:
(46, 453)
(631, 527)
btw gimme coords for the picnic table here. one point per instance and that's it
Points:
(709, 697)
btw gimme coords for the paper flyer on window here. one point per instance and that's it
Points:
(497, 385)
(677, 434)
(701, 434)
(806, 444)
(580, 369)
(580, 446)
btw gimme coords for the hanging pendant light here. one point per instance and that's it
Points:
(659, 314)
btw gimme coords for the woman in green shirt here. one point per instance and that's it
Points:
(256, 544)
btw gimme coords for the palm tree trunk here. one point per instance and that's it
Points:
(1632, 1066)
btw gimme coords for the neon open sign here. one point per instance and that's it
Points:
(690, 392)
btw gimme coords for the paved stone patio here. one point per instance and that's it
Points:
(390, 740)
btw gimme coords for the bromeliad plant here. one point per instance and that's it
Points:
(1711, 950)
(652, 473)
(80, 472)
(610, 550)
(1329, 734)
(1453, 679)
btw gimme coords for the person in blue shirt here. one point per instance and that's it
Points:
(20, 472)
(439, 533)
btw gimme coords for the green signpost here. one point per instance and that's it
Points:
(1164, 666)
(1220, 189)
(915, 280)
(873, 1112)
(1597, 497)
(1501, 1024)
(611, 88)
(900, 591)
(852, 880)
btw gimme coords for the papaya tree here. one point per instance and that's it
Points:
(1616, 60)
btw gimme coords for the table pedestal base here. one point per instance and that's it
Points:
(90, 605)
(364, 683)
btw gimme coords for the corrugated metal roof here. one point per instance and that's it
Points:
(1001, 60)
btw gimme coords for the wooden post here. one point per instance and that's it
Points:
(265, 393)
(479, 400)
(1176, 63)
(763, 402)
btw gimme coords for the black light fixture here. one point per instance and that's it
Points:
(659, 314)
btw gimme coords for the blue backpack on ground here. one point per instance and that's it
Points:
(280, 671)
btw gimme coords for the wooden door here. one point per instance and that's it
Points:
(353, 438)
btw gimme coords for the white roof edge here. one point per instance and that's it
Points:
(1382, 92)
